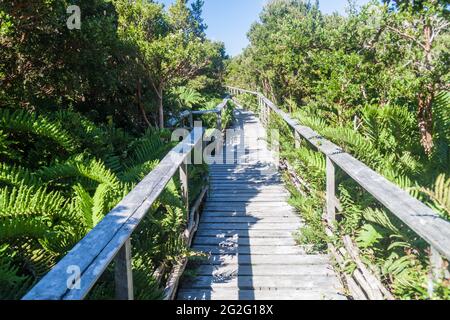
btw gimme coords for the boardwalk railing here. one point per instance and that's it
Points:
(218, 111)
(76, 274)
(420, 218)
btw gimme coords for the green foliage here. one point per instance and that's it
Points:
(46, 210)
(366, 82)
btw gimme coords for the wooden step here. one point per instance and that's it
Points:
(248, 198)
(246, 259)
(250, 226)
(254, 213)
(270, 295)
(298, 282)
(226, 271)
(234, 241)
(249, 219)
(254, 250)
(246, 233)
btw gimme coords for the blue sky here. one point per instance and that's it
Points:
(229, 20)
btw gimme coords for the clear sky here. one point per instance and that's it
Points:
(230, 20)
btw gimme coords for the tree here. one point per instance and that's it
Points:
(424, 26)
(177, 55)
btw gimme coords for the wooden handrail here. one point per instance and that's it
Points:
(218, 111)
(111, 237)
(425, 222)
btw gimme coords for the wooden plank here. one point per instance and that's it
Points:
(247, 219)
(322, 282)
(123, 273)
(184, 180)
(246, 233)
(243, 173)
(247, 199)
(254, 260)
(251, 226)
(259, 295)
(234, 205)
(264, 250)
(331, 194)
(255, 211)
(254, 214)
(246, 188)
(245, 207)
(234, 241)
(263, 270)
(248, 193)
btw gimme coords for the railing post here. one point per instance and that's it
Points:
(438, 270)
(185, 184)
(123, 273)
(331, 192)
(298, 139)
(264, 113)
(219, 120)
(191, 120)
(260, 108)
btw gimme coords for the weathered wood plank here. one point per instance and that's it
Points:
(233, 241)
(263, 199)
(263, 270)
(255, 214)
(233, 205)
(237, 219)
(254, 260)
(263, 282)
(246, 233)
(251, 226)
(279, 250)
(259, 295)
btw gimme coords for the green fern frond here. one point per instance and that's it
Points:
(137, 172)
(12, 228)
(13, 175)
(27, 201)
(22, 121)
(439, 195)
(368, 236)
(149, 147)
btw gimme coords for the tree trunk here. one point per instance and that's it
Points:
(425, 117)
(425, 112)
(160, 107)
(140, 104)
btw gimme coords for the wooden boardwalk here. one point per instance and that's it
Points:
(246, 229)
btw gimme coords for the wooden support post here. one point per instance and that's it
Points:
(185, 185)
(264, 113)
(261, 109)
(191, 120)
(219, 120)
(331, 193)
(438, 270)
(123, 273)
(298, 139)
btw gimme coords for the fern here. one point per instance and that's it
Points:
(22, 121)
(31, 202)
(439, 195)
(13, 175)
